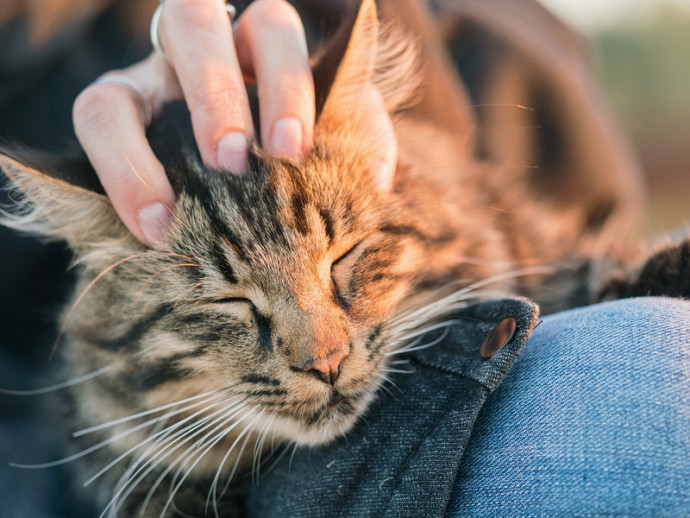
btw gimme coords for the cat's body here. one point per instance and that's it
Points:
(266, 315)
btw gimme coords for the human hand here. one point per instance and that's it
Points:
(206, 59)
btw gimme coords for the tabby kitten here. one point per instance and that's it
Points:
(271, 307)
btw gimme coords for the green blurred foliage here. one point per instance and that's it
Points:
(645, 68)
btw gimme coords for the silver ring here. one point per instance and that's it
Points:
(133, 86)
(155, 21)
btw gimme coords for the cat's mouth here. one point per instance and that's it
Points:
(336, 400)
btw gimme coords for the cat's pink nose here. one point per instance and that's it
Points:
(327, 369)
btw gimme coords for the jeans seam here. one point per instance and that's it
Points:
(404, 467)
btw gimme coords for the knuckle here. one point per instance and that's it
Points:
(94, 106)
(295, 88)
(200, 13)
(272, 14)
(214, 95)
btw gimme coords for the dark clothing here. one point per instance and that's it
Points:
(403, 456)
(401, 460)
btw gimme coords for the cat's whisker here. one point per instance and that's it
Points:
(280, 446)
(397, 343)
(230, 477)
(193, 455)
(292, 456)
(408, 325)
(212, 494)
(179, 299)
(179, 513)
(451, 302)
(521, 272)
(57, 386)
(69, 383)
(405, 350)
(160, 436)
(165, 435)
(158, 198)
(162, 433)
(396, 371)
(380, 384)
(259, 446)
(214, 393)
(82, 453)
(83, 293)
(160, 479)
(502, 105)
(486, 129)
(194, 428)
(429, 329)
(403, 361)
(93, 282)
(255, 453)
(128, 479)
(444, 306)
(161, 271)
(127, 482)
(209, 447)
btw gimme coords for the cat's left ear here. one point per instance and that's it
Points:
(360, 79)
(59, 198)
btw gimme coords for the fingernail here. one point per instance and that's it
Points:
(286, 138)
(154, 221)
(232, 152)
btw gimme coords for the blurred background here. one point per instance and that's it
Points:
(641, 51)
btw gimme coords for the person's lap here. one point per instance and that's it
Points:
(593, 419)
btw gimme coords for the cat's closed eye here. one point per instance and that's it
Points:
(341, 271)
(232, 300)
(348, 253)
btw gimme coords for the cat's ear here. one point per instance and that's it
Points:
(361, 78)
(347, 63)
(58, 198)
(361, 53)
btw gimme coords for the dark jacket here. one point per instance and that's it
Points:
(403, 456)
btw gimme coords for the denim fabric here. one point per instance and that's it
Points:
(402, 458)
(593, 420)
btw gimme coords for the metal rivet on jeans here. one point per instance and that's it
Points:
(498, 337)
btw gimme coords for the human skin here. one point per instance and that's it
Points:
(207, 60)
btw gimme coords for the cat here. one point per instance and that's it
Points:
(270, 307)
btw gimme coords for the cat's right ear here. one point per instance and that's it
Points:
(362, 76)
(59, 198)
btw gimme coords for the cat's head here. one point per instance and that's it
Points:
(271, 297)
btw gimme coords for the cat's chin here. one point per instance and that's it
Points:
(333, 420)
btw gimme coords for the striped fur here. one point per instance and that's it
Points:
(202, 340)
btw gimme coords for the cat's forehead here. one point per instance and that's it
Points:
(281, 209)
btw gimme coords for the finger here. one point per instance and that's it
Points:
(157, 80)
(109, 125)
(197, 38)
(271, 45)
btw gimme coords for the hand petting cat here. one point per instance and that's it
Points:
(206, 61)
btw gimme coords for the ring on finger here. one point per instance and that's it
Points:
(132, 86)
(155, 22)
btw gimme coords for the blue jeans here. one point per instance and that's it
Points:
(593, 419)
